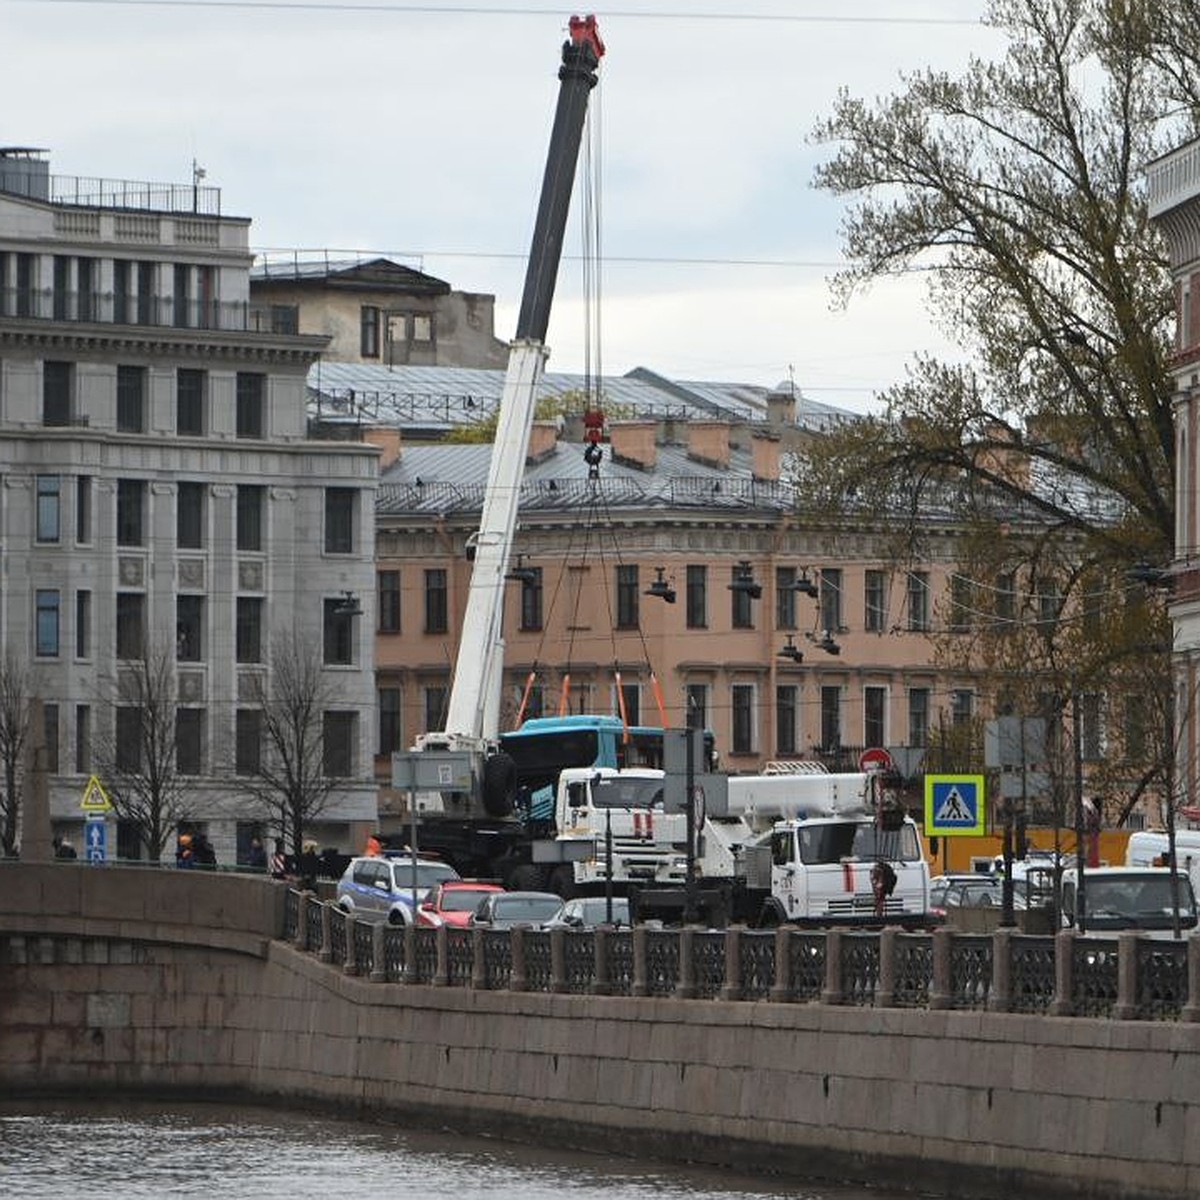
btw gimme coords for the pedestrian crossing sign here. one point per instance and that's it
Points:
(954, 805)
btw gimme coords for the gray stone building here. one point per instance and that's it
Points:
(160, 499)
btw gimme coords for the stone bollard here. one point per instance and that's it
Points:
(941, 986)
(1191, 1010)
(685, 985)
(378, 953)
(441, 970)
(350, 964)
(326, 952)
(639, 986)
(301, 938)
(885, 992)
(1063, 1004)
(733, 964)
(478, 965)
(410, 974)
(519, 979)
(1000, 998)
(558, 961)
(781, 989)
(601, 983)
(832, 992)
(1126, 1008)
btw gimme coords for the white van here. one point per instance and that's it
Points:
(1148, 848)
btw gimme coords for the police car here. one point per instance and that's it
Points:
(374, 888)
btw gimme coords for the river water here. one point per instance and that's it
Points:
(130, 1151)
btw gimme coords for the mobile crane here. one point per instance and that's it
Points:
(474, 827)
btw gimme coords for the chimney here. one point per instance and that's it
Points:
(543, 438)
(765, 448)
(781, 408)
(388, 443)
(708, 442)
(633, 443)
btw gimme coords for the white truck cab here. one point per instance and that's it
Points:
(1130, 899)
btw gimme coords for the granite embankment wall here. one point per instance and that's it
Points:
(176, 984)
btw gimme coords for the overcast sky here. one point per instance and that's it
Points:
(420, 131)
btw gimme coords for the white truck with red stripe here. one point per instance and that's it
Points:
(807, 848)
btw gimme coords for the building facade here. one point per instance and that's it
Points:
(160, 498)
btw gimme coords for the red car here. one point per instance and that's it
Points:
(453, 901)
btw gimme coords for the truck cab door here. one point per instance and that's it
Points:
(787, 880)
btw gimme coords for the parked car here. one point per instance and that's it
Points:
(382, 889)
(452, 902)
(939, 885)
(586, 912)
(504, 910)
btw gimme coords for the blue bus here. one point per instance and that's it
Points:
(544, 746)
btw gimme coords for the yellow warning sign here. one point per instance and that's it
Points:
(95, 798)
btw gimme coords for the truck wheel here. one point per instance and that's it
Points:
(528, 878)
(562, 882)
(771, 916)
(499, 785)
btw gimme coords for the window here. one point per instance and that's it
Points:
(785, 720)
(50, 732)
(918, 601)
(181, 294)
(189, 402)
(251, 405)
(339, 520)
(1091, 709)
(741, 612)
(962, 706)
(697, 705)
(247, 739)
(435, 708)
(389, 720)
(131, 624)
(189, 628)
(875, 716)
(131, 399)
(369, 331)
(57, 386)
(961, 603)
(1049, 606)
(435, 603)
(339, 634)
(189, 516)
(338, 758)
(121, 291)
(631, 703)
(830, 599)
(189, 738)
(147, 291)
(627, 596)
(389, 601)
(86, 277)
(531, 598)
(83, 624)
(697, 597)
(83, 738)
(131, 512)
(47, 602)
(1006, 596)
(129, 739)
(61, 288)
(49, 508)
(248, 636)
(83, 509)
(875, 616)
(250, 499)
(422, 328)
(831, 719)
(785, 597)
(918, 716)
(742, 697)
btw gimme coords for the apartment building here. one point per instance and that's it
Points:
(160, 497)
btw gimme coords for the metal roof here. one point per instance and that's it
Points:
(439, 398)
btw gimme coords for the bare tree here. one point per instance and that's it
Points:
(291, 778)
(135, 748)
(15, 704)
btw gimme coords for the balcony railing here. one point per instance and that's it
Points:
(87, 192)
(108, 308)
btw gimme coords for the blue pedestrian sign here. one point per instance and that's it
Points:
(95, 839)
(954, 804)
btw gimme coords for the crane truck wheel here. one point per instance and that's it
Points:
(771, 916)
(499, 785)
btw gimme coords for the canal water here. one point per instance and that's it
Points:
(131, 1151)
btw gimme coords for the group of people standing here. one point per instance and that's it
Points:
(195, 850)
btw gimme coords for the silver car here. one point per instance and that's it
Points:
(388, 889)
(505, 910)
(586, 912)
